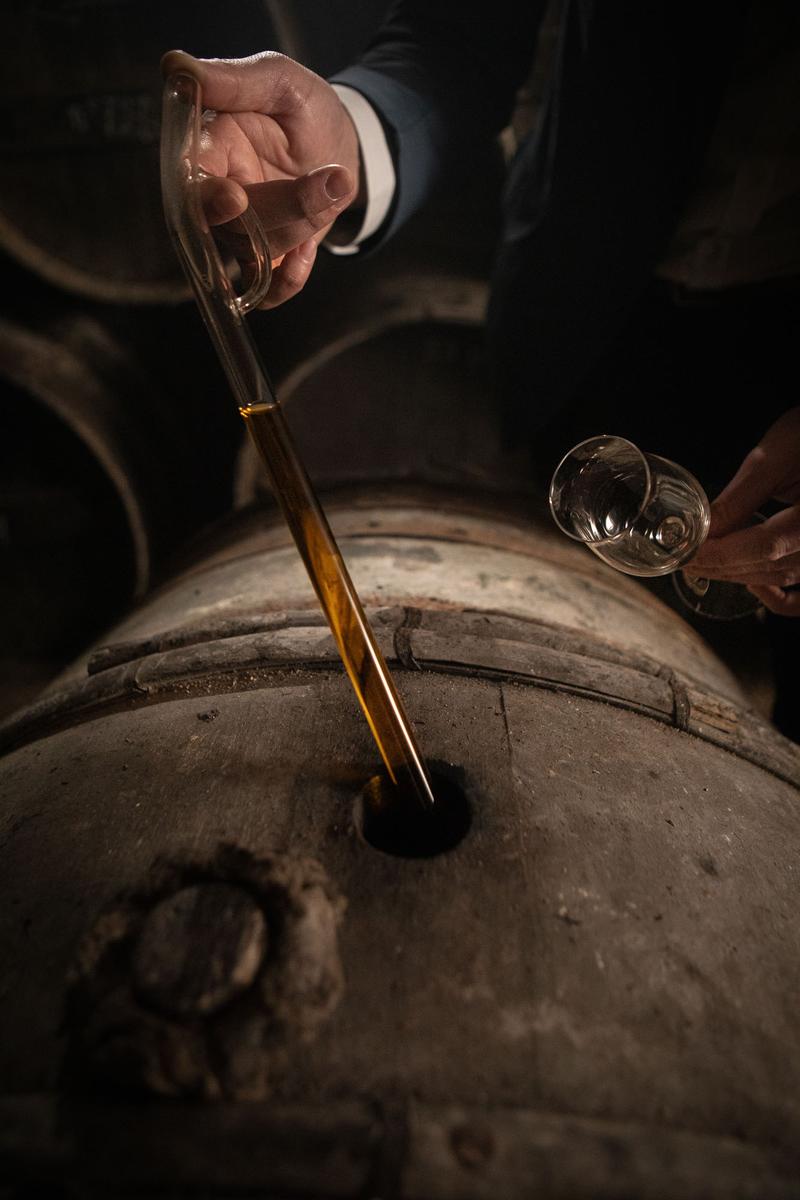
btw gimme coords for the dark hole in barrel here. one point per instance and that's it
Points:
(394, 821)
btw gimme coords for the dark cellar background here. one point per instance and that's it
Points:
(119, 442)
(118, 436)
(232, 965)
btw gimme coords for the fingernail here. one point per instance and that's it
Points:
(176, 61)
(173, 54)
(307, 250)
(336, 185)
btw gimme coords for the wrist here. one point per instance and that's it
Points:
(367, 142)
(351, 158)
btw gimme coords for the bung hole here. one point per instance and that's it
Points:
(394, 822)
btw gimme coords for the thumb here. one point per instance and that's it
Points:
(294, 210)
(268, 82)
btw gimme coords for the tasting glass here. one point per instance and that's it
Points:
(643, 515)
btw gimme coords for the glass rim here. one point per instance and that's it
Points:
(602, 437)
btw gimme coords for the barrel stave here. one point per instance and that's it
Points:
(584, 941)
(608, 953)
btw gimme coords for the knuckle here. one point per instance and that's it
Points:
(769, 597)
(785, 603)
(309, 209)
(291, 82)
(775, 548)
(287, 285)
(297, 283)
(721, 512)
(272, 60)
(293, 283)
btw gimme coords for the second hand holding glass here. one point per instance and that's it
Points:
(643, 515)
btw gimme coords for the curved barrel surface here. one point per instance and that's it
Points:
(591, 994)
(80, 146)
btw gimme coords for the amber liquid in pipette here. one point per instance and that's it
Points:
(329, 576)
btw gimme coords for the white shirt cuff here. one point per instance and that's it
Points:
(376, 163)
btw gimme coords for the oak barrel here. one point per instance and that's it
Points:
(395, 388)
(80, 197)
(213, 978)
(77, 499)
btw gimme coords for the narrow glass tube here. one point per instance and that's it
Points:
(223, 313)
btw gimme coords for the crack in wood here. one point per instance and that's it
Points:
(402, 639)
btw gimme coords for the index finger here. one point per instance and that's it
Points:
(767, 542)
(267, 82)
(752, 485)
(293, 210)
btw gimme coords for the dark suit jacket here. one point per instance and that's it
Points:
(594, 193)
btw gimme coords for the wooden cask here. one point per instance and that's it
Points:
(80, 195)
(216, 985)
(78, 494)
